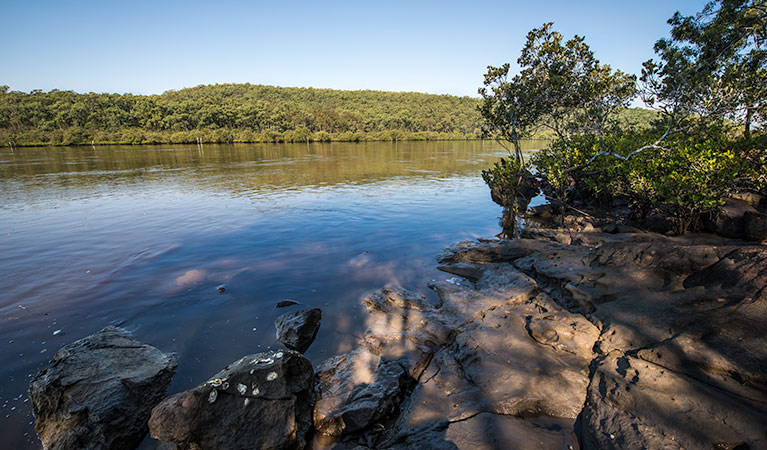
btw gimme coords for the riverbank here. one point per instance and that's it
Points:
(220, 136)
(570, 337)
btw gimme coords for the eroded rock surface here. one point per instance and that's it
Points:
(650, 341)
(261, 401)
(98, 392)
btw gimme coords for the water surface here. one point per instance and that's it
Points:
(141, 237)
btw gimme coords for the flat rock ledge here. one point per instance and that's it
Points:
(261, 401)
(98, 392)
(618, 339)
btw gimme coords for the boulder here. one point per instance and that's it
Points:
(358, 390)
(755, 227)
(298, 329)
(98, 392)
(659, 221)
(261, 401)
(729, 221)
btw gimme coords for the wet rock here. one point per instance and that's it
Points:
(98, 392)
(298, 329)
(634, 404)
(285, 303)
(221, 288)
(356, 391)
(263, 400)
(488, 252)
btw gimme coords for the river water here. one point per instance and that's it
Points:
(141, 237)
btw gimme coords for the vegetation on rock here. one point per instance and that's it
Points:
(707, 88)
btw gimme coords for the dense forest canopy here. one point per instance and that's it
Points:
(232, 113)
(239, 113)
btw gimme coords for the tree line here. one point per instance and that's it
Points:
(229, 113)
(232, 113)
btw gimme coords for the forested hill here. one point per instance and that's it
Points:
(232, 113)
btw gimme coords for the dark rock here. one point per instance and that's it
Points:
(285, 303)
(615, 228)
(298, 329)
(356, 391)
(659, 222)
(486, 431)
(263, 400)
(99, 391)
(221, 288)
(634, 404)
(729, 221)
(755, 227)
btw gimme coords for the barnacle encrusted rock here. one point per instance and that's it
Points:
(263, 400)
(98, 392)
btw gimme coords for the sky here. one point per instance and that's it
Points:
(438, 47)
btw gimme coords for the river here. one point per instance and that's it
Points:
(142, 236)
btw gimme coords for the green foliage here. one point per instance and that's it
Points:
(505, 179)
(233, 113)
(683, 158)
(690, 179)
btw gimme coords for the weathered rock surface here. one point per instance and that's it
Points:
(298, 329)
(99, 391)
(686, 313)
(261, 401)
(494, 346)
(650, 341)
(635, 404)
(484, 431)
(357, 390)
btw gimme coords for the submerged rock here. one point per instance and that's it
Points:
(263, 400)
(359, 389)
(285, 303)
(298, 329)
(356, 391)
(98, 392)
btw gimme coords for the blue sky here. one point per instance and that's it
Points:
(441, 47)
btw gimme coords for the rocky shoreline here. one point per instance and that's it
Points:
(585, 337)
